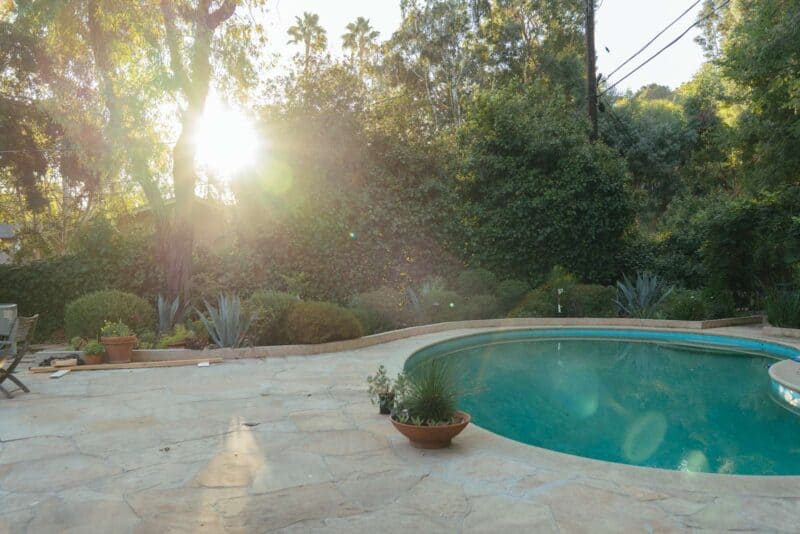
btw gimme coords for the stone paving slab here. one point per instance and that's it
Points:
(293, 445)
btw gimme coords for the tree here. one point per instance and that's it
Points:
(360, 40)
(118, 62)
(535, 193)
(760, 54)
(311, 35)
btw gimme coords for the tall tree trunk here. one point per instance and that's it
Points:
(177, 231)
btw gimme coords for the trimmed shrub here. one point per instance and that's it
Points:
(383, 309)
(685, 305)
(719, 303)
(85, 316)
(783, 309)
(441, 306)
(269, 310)
(476, 282)
(480, 307)
(320, 322)
(578, 300)
(589, 300)
(510, 293)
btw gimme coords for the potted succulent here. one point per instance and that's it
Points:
(382, 390)
(118, 341)
(93, 352)
(424, 408)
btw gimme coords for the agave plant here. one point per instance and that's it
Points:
(167, 313)
(228, 323)
(642, 298)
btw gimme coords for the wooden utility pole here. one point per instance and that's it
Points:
(591, 69)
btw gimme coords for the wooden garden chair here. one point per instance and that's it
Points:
(22, 332)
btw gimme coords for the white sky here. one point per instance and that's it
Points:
(622, 25)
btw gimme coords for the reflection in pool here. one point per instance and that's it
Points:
(635, 401)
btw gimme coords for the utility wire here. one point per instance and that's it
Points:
(651, 41)
(678, 38)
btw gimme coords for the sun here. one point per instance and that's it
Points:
(226, 141)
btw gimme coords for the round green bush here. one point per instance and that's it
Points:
(577, 300)
(85, 316)
(685, 305)
(479, 307)
(269, 310)
(476, 282)
(510, 293)
(320, 322)
(441, 306)
(383, 309)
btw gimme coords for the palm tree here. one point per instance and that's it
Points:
(360, 40)
(308, 32)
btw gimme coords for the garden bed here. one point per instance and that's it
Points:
(155, 355)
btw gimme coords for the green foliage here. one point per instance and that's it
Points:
(384, 309)
(686, 305)
(86, 315)
(227, 324)
(430, 396)
(479, 307)
(178, 335)
(535, 192)
(510, 293)
(752, 244)
(643, 297)
(476, 282)
(380, 385)
(115, 329)
(577, 300)
(783, 309)
(321, 322)
(719, 303)
(94, 347)
(269, 310)
(167, 312)
(440, 306)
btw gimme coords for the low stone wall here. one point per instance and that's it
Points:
(770, 330)
(394, 335)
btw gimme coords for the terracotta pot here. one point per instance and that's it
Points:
(93, 359)
(119, 349)
(432, 437)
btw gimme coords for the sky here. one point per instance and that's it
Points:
(622, 25)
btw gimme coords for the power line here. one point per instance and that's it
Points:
(678, 38)
(651, 41)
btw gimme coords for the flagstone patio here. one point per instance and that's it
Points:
(293, 444)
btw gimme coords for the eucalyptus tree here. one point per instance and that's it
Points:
(140, 73)
(360, 39)
(308, 32)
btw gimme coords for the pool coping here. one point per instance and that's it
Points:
(625, 474)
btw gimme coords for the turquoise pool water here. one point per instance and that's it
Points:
(669, 400)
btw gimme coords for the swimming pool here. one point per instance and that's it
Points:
(671, 400)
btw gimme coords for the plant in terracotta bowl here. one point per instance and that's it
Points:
(118, 341)
(93, 352)
(425, 408)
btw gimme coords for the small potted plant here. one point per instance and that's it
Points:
(118, 341)
(424, 408)
(381, 390)
(93, 352)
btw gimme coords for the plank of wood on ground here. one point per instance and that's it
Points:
(131, 365)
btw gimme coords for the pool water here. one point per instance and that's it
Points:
(656, 403)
